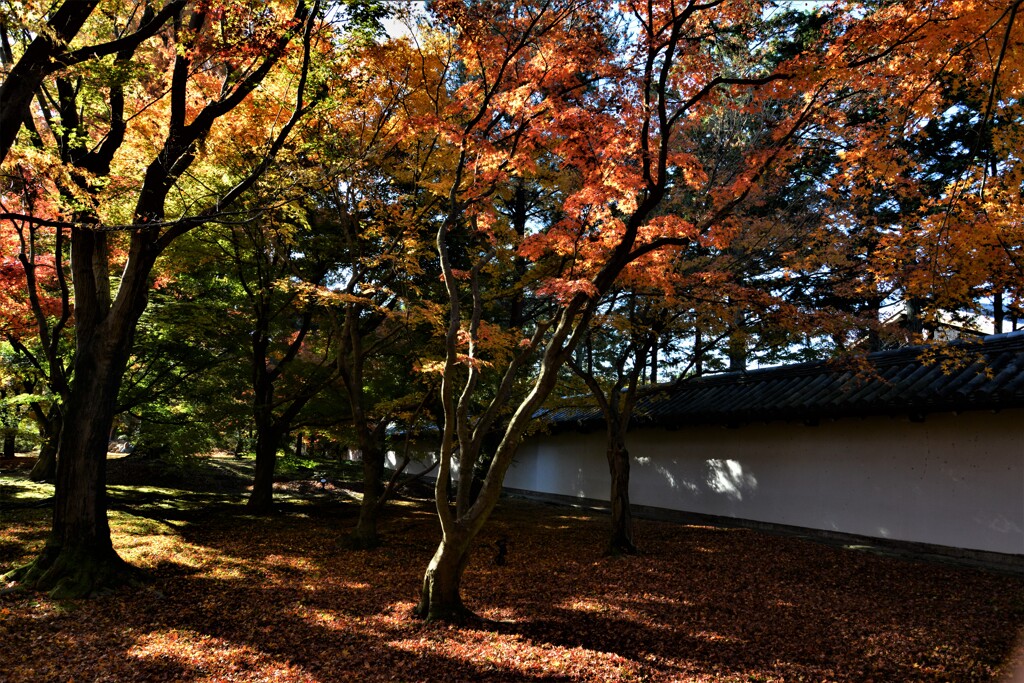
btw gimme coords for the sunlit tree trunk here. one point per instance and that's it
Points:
(441, 594)
(45, 468)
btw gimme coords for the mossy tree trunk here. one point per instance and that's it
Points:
(79, 558)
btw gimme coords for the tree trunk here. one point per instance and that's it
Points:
(9, 443)
(441, 597)
(621, 541)
(365, 534)
(268, 436)
(79, 559)
(698, 352)
(998, 313)
(45, 468)
(737, 345)
(262, 498)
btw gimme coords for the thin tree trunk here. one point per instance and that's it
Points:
(621, 541)
(737, 345)
(998, 313)
(45, 468)
(9, 444)
(365, 534)
(698, 352)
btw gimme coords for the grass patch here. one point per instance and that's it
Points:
(18, 490)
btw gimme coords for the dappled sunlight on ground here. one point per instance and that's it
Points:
(197, 656)
(234, 597)
(22, 490)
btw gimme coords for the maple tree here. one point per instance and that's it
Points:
(164, 119)
(35, 321)
(661, 83)
(725, 295)
(181, 394)
(616, 125)
(289, 361)
(49, 34)
(636, 327)
(371, 302)
(924, 159)
(376, 325)
(506, 175)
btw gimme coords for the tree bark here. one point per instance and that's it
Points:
(998, 313)
(45, 468)
(22, 83)
(365, 536)
(261, 499)
(79, 559)
(268, 438)
(441, 596)
(621, 540)
(9, 443)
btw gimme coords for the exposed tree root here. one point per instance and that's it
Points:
(457, 615)
(67, 573)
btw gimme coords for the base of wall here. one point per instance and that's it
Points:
(927, 552)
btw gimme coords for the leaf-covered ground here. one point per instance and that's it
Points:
(238, 598)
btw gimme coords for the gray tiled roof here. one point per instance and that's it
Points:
(913, 381)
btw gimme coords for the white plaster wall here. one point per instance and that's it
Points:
(953, 480)
(422, 455)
